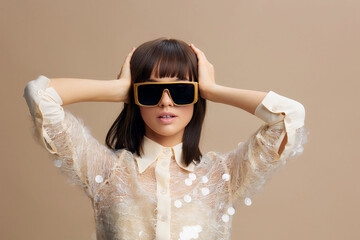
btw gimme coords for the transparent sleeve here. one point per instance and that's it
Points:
(255, 161)
(73, 149)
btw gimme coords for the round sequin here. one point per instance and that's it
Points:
(188, 182)
(192, 176)
(187, 198)
(226, 177)
(204, 179)
(190, 232)
(205, 191)
(178, 203)
(140, 233)
(225, 218)
(247, 201)
(231, 211)
(98, 178)
(58, 163)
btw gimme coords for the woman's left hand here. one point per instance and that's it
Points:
(206, 73)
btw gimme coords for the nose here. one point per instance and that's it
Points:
(165, 99)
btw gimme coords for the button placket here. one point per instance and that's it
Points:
(164, 201)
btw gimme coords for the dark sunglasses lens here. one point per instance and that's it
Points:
(149, 94)
(182, 93)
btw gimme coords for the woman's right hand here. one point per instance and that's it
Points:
(125, 76)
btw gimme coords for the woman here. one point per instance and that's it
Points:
(151, 181)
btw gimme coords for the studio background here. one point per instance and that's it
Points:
(305, 50)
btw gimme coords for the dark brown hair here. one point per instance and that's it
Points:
(168, 58)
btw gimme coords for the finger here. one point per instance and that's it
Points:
(128, 57)
(195, 48)
(199, 53)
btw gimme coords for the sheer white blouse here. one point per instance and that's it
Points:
(156, 196)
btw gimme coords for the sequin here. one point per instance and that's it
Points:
(226, 177)
(247, 201)
(98, 178)
(225, 218)
(204, 179)
(188, 182)
(192, 176)
(140, 233)
(190, 232)
(178, 203)
(231, 211)
(187, 198)
(205, 191)
(58, 163)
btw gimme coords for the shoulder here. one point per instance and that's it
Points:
(124, 155)
(212, 159)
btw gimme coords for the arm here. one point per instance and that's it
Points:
(74, 150)
(73, 90)
(247, 100)
(252, 163)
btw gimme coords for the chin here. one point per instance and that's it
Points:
(165, 132)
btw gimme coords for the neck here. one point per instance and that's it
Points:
(166, 141)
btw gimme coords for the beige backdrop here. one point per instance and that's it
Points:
(306, 50)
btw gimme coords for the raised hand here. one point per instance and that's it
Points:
(206, 73)
(125, 75)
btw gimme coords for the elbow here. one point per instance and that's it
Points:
(296, 116)
(300, 111)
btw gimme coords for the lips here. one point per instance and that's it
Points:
(166, 115)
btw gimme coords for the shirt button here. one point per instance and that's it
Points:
(163, 218)
(164, 191)
(40, 92)
(166, 150)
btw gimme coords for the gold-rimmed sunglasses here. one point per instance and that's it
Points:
(149, 94)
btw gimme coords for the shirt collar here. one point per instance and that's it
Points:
(151, 151)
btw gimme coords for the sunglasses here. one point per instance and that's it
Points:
(149, 94)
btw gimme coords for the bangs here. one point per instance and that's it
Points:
(168, 59)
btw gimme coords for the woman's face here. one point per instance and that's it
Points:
(166, 131)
